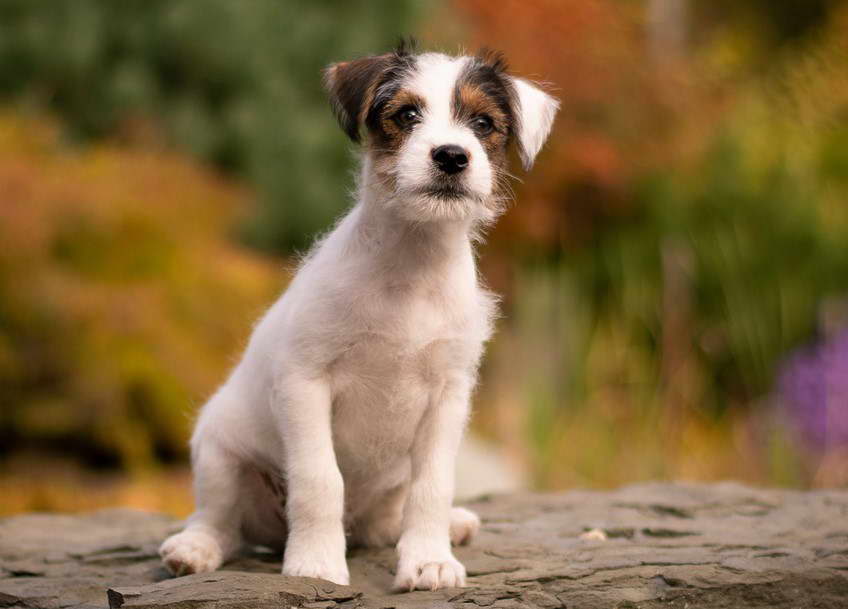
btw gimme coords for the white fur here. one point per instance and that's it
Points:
(353, 393)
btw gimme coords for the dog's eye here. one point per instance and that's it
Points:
(482, 125)
(407, 116)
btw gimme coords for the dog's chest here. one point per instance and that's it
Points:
(387, 372)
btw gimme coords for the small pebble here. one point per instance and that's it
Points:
(594, 535)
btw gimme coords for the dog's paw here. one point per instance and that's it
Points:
(317, 554)
(464, 525)
(316, 565)
(429, 575)
(191, 552)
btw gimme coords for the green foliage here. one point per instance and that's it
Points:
(234, 83)
(775, 22)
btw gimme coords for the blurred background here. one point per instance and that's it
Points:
(674, 271)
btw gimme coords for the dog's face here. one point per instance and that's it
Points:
(439, 127)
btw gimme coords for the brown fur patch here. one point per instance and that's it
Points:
(485, 89)
(470, 102)
(389, 136)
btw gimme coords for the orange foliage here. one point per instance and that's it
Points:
(621, 108)
(122, 300)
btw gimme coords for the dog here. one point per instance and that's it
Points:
(344, 416)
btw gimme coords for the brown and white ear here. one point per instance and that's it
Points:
(351, 85)
(535, 112)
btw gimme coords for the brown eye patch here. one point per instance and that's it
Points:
(402, 101)
(395, 122)
(472, 103)
(484, 100)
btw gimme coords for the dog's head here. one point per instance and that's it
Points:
(438, 127)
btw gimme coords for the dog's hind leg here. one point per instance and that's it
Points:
(464, 525)
(212, 534)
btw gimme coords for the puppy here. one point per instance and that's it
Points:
(345, 414)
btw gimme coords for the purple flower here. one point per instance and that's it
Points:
(813, 387)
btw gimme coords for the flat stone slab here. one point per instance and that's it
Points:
(643, 546)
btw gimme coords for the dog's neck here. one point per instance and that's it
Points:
(400, 242)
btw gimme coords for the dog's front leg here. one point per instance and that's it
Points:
(315, 491)
(425, 559)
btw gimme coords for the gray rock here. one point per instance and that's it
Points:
(666, 545)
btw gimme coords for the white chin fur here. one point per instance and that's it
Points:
(418, 207)
(415, 175)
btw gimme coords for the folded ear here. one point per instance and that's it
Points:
(535, 117)
(351, 85)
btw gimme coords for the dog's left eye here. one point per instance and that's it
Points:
(482, 125)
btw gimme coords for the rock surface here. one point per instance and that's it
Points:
(646, 546)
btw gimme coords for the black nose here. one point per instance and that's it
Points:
(450, 158)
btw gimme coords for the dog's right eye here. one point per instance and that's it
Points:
(407, 116)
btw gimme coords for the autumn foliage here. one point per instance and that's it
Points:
(122, 299)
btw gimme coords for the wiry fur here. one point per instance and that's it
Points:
(345, 414)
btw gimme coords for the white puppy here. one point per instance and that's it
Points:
(345, 414)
